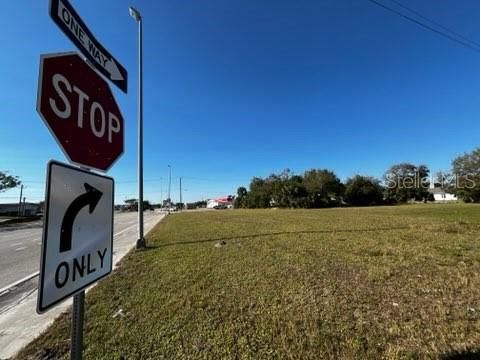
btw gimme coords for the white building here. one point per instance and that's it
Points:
(221, 203)
(441, 195)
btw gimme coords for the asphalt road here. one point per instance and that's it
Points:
(20, 245)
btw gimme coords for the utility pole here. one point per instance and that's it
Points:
(161, 193)
(169, 183)
(181, 203)
(23, 206)
(20, 201)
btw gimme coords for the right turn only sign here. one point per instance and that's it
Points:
(78, 233)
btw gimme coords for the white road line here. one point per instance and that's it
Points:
(21, 248)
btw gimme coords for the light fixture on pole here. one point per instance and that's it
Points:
(135, 14)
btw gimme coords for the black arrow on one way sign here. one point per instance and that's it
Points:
(91, 198)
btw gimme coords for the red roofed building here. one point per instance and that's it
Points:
(221, 202)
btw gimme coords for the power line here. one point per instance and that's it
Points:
(428, 27)
(435, 23)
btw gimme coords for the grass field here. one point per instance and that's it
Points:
(356, 283)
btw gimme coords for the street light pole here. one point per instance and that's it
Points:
(135, 14)
(169, 183)
(181, 203)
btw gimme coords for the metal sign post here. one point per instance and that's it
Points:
(76, 347)
(76, 333)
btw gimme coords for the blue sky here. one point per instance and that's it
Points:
(235, 89)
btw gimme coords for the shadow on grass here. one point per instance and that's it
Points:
(464, 355)
(252, 236)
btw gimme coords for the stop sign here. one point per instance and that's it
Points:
(78, 107)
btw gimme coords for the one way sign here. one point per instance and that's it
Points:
(67, 19)
(77, 233)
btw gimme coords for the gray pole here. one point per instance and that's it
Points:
(161, 193)
(141, 240)
(76, 331)
(181, 204)
(20, 201)
(23, 206)
(77, 326)
(169, 183)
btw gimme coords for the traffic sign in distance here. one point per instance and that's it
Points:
(67, 19)
(77, 233)
(78, 107)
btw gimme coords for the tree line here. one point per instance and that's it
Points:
(319, 188)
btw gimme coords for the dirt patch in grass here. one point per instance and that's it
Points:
(380, 283)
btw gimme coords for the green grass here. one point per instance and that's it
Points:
(355, 283)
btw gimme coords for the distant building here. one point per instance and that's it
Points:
(221, 203)
(12, 209)
(441, 195)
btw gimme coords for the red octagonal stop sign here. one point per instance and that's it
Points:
(79, 109)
